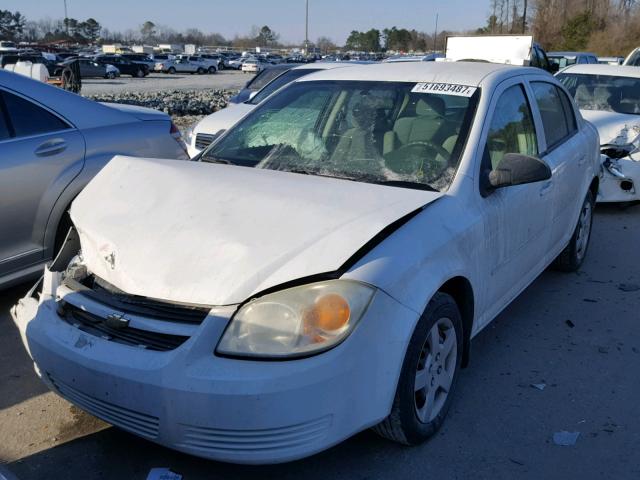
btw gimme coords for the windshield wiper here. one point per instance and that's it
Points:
(406, 184)
(215, 160)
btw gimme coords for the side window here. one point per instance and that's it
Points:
(512, 129)
(4, 127)
(568, 111)
(552, 112)
(29, 119)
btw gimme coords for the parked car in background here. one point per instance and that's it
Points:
(216, 59)
(254, 65)
(185, 64)
(609, 97)
(343, 245)
(512, 49)
(633, 59)
(212, 126)
(90, 68)
(259, 81)
(126, 66)
(210, 62)
(430, 57)
(8, 46)
(141, 58)
(611, 60)
(564, 59)
(52, 143)
(235, 63)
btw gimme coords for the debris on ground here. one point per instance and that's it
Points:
(539, 386)
(565, 439)
(163, 474)
(629, 287)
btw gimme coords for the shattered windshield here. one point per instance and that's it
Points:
(377, 132)
(604, 92)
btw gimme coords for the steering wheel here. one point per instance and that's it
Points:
(438, 149)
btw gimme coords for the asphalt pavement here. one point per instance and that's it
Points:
(576, 337)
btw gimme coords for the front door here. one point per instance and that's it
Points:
(516, 218)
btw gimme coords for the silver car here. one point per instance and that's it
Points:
(52, 143)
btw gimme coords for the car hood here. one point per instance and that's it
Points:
(223, 119)
(614, 128)
(212, 234)
(141, 113)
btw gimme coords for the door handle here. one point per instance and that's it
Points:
(51, 147)
(546, 188)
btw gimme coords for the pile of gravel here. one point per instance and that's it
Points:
(176, 103)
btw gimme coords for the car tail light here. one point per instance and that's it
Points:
(177, 136)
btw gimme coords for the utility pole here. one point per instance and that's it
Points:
(435, 35)
(524, 17)
(306, 29)
(66, 18)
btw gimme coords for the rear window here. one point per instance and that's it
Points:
(284, 79)
(603, 92)
(264, 77)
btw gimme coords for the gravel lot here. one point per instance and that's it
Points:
(159, 82)
(578, 334)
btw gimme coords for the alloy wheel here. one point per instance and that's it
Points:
(435, 370)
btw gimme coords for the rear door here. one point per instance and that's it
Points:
(564, 151)
(40, 153)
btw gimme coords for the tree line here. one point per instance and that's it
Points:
(605, 27)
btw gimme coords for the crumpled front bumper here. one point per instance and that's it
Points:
(225, 409)
(620, 181)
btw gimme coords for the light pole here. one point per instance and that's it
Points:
(66, 18)
(306, 28)
(435, 35)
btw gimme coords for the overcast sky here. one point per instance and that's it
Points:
(332, 18)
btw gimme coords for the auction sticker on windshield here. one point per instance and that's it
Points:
(444, 88)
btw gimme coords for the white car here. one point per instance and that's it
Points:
(212, 126)
(184, 64)
(253, 65)
(609, 97)
(325, 266)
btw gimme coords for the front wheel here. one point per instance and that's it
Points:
(140, 73)
(111, 75)
(171, 70)
(200, 71)
(575, 252)
(428, 375)
(212, 70)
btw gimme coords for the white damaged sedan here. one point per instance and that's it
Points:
(323, 267)
(609, 97)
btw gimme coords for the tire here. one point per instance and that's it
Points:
(200, 71)
(140, 73)
(575, 252)
(416, 415)
(111, 75)
(171, 70)
(212, 70)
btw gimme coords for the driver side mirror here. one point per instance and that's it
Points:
(518, 169)
(553, 67)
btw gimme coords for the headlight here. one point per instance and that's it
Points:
(188, 135)
(297, 321)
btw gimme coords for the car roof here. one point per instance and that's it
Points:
(322, 65)
(603, 69)
(569, 54)
(463, 73)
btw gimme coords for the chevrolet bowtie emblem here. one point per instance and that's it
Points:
(116, 321)
(111, 260)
